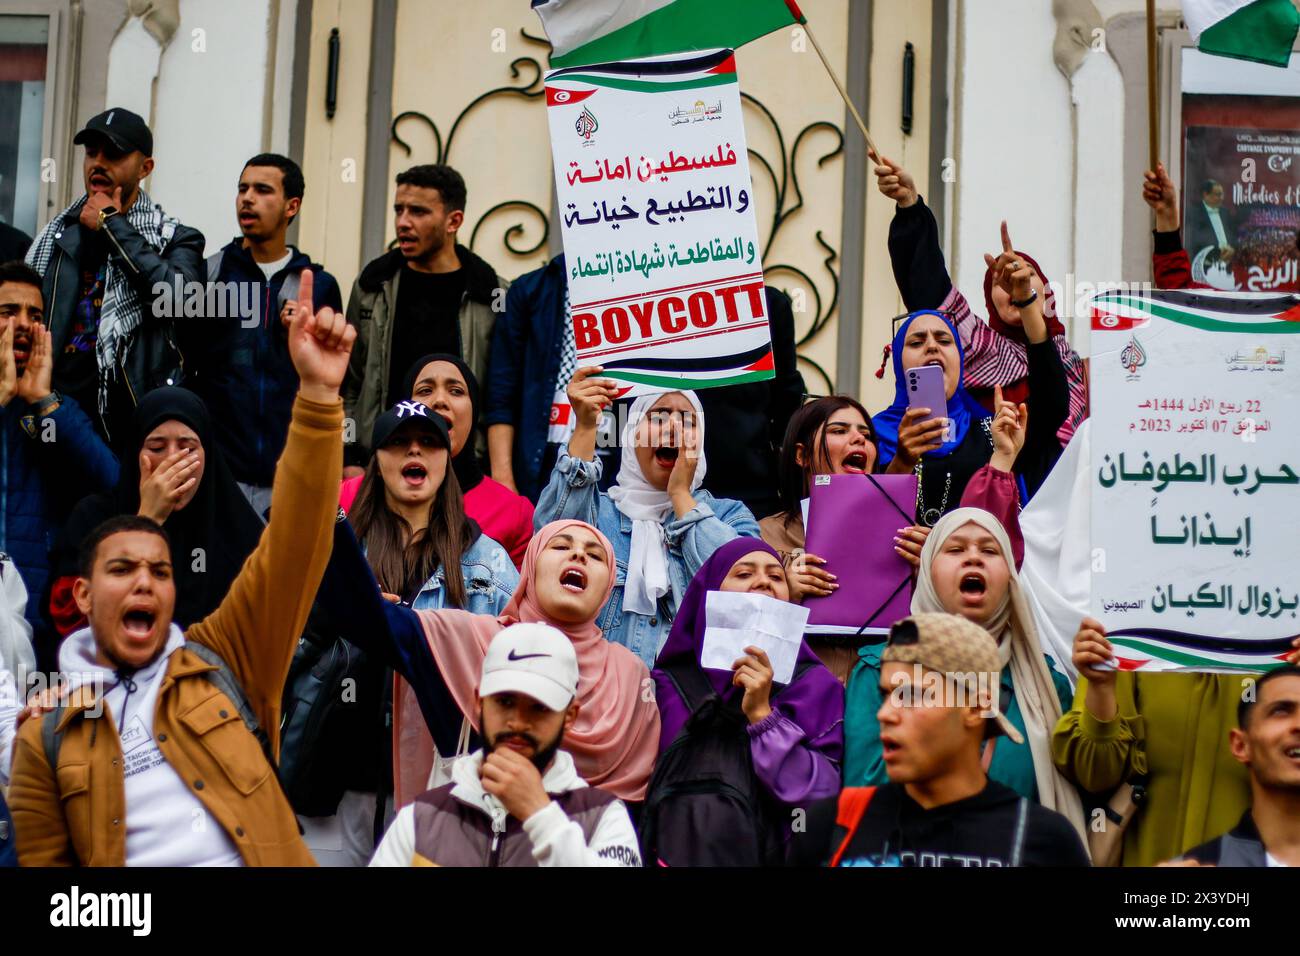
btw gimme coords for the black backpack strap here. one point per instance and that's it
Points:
(52, 738)
(223, 679)
(687, 677)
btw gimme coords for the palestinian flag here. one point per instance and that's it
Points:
(1262, 31)
(583, 32)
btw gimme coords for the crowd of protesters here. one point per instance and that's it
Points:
(399, 584)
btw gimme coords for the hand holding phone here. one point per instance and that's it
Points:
(925, 389)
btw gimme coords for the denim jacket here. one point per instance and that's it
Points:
(490, 580)
(572, 493)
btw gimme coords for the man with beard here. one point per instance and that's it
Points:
(50, 453)
(1267, 742)
(240, 363)
(518, 801)
(427, 295)
(102, 259)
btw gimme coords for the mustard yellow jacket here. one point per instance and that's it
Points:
(76, 813)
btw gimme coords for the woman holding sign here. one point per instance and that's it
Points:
(778, 741)
(664, 526)
(945, 450)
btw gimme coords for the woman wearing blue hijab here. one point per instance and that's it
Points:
(944, 464)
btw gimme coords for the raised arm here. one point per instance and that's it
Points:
(914, 250)
(573, 490)
(255, 629)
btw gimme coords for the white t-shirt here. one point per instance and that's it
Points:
(271, 268)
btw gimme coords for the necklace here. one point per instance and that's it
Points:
(929, 517)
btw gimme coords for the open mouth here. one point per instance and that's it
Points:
(22, 349)
(138, 623)
(972, 586)
(247, 217)
(936, 362)
(414, 473)
(855, 463)
(889, 747)
(1293, 753)
(573, 579)
(666, 457)
(101, 182)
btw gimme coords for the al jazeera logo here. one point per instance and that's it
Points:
(1133, 357)
(586, 125)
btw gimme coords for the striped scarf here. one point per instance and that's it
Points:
(122, 311)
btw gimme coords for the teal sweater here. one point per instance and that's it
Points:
(864, 765)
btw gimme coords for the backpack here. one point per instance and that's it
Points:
(328, 714)
(223, 679)
(705, 805)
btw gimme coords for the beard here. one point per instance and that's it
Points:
(542, 755)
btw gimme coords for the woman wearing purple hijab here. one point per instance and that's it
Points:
(778, 744)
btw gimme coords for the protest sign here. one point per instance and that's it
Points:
(1195, 478)
(661, 245)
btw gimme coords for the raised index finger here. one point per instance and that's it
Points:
(305, 301)
(1006, 238)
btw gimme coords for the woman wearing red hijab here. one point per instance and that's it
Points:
(996, 353)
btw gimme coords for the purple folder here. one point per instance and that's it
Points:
(852, 523)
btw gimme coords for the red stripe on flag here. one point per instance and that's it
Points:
(559, 97)
(726, 66)
(1125, 664)
(1290, 315)
(762, 365)
(795, 11)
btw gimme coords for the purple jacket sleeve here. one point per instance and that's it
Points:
(995, 491)
(794, 769)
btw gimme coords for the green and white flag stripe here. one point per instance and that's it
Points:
(583, 32)
(1262, 31)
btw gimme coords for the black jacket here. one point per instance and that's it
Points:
(745, 424)
(241, 366)
(1241, 846)
(995, 827)
(151, 358)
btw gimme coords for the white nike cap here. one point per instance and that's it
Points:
(532, 659)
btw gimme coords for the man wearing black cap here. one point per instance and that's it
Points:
(104, 261)
(938, 676)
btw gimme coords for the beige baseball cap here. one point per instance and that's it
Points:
(954, 646)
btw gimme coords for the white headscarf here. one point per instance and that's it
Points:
(1012, 626)
(647, 506)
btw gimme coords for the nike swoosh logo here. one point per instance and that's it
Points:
(512, 656)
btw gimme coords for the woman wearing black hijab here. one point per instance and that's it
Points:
(179, 479)
(446, 385)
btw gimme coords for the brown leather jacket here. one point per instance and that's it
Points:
(77, 813)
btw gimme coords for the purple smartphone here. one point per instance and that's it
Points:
(925, 390)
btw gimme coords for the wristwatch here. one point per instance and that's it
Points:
(44, 406)
(1025, 303)
(105, 213)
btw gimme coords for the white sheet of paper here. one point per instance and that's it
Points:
(734, 621)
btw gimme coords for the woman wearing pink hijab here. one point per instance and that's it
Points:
(567, 576)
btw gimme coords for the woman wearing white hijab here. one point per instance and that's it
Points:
(663, 525)
(965, 569)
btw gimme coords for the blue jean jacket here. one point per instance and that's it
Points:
(572, 493)
(490, 580)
